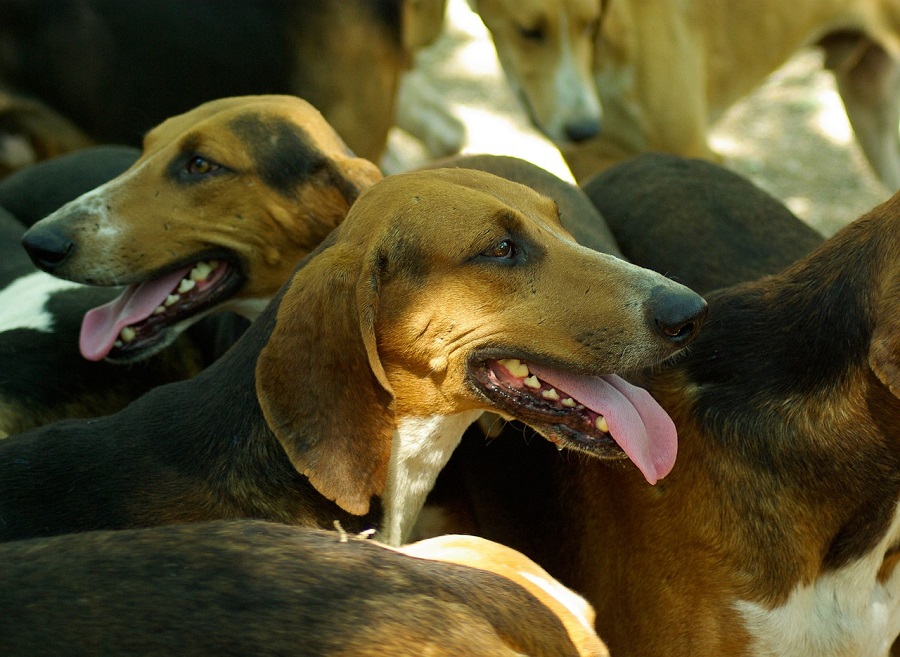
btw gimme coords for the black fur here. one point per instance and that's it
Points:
(158, 462)
(117, 69)
(33, 192)
(688, 204)
(280, 149)
(255, 588)
(44, 377)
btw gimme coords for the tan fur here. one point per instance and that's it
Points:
(265, 589)
(479, 553)
(546, 50)
(401, 303)
(146, 222)
(357, 90)
(666, 70)
(777, 530)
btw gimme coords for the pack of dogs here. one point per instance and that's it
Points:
(258, 397)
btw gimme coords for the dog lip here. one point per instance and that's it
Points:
(565, 427)
(158, 331)
(222, 255)
(615, 416)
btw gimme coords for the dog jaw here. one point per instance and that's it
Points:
(603, 416)
(548, 302)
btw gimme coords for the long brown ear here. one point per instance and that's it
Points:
(884, 348)
(321, 385)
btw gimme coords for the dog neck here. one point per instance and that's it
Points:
(249, 308)
(846, 611)
(782, 404)
(781, 376)
(421, 447)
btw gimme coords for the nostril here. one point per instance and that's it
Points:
(678, 315)
(677, 331)
(581, 129)
(47, 249)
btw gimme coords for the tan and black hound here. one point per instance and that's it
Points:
(222, 204)
(777, 532)
(444, 294)
(257, 588)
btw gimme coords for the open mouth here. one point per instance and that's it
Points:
(137, 322)
(604, 416)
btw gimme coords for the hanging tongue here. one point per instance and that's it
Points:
(636, 421)
(101, 326)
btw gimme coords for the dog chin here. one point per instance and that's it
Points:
(141, 351)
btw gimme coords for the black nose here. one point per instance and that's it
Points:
(581, 129)
(47, 248)
(677, 314)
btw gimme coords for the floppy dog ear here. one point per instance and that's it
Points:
(321, 385)
(884, 346)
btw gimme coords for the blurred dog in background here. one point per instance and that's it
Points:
(115, 70)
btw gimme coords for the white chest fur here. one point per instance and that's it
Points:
(846, 613)
(23, 302)
(421, 447)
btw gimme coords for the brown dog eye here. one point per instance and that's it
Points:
(535, 34)
(198, 166)
(503, 249)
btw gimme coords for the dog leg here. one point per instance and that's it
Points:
(422, 112)
(868, 80)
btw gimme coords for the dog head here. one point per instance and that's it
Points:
(546, 49)
(215, 214)
(449, 291)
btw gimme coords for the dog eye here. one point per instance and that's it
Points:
(199, 166)
(504, 249)
(533, 33)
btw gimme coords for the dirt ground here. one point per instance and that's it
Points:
(791, 137)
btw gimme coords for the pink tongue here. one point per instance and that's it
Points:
(101, 326)
(636, 421)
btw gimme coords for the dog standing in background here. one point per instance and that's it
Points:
(664, 71)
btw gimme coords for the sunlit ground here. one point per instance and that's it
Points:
(791, 137)
(465, 63)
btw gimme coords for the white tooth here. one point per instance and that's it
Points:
(172, 299)
(532, 382)
(117, 344)
(568, 402)
(201, 271)
(516, 367)
(159, 310)
(127, 334)
(550, 394)
(186, 285)
(559, 447)
(600, 423)
(579, 407)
